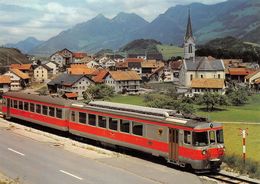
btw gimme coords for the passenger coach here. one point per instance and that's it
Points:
(161, 132)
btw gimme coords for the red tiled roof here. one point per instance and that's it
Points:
(124, 75)
(20, 73)
(240, 71)
(5, 79)
(79, 55)
(176, 65)
(80, 71)
(208, 83)
(134, 60)
(71, 95)
(100, 76)
(21, 66)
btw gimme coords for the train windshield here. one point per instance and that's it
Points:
(200, 138)
(220, 137)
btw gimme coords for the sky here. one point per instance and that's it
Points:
(43, 19)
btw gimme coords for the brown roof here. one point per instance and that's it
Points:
(152, 64)
(79, 55)
(77, 65)
(71, 95)
(20, 74)
(21, 66)
(124, 75)
(80, 70)
(99, 76)
(240, 71)
(134, 60)
(208, 83)
(121, 65)
(5, 79)
(252, 74)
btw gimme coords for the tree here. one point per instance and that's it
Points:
(100, 91)
(210, 100)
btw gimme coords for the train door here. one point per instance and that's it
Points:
(173, 144)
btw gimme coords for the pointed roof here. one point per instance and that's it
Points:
(189, 28)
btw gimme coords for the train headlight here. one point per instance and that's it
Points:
(204, 152)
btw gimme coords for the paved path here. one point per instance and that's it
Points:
(41, 162)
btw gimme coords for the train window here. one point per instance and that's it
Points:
(113, 123)
(220, 137)
(4, 101)
(125, 126)
(15, 103)
(187, 137)
(51, 111)
(137, 128)
(200, 138)
(72, 116)
(21, 105)
(82, 117)
(102, 121)
(58, 113)
(31, 107)
(212, 138)
(12, 103)
(92, 119)
(38, 108)
(26, 106)
(45, 110)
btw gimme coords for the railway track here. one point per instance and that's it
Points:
(227, 178)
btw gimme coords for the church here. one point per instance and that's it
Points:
(200, 73)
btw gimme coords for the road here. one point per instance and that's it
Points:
(35, 162)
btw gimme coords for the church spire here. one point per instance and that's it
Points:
(189, 28)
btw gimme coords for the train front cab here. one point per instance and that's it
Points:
(202, 149)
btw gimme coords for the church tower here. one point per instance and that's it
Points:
(189, 42)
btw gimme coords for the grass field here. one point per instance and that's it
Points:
(246, 113)
(168, 51)
(133, 100)
(233, 141)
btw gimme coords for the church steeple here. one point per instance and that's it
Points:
(189, 28)
(189, 41)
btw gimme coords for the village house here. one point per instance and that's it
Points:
(62, 58)
(202, 85)
(53, 66)
(80, 70)
(42, 73)
(99, 76)
(123, 81)
(78, 56)
(5, 83)
(19, 80)
(70, 86)
(25, 68)
(238, 74)
(108, 63)
(176, 68)
(93, 64)
(117, 58)
(252, 79)
(148, 66)
(134, 64)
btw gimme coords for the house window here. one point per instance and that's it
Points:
(201, 76)
(191, 77)
(219, 76)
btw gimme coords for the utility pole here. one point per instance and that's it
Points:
(244, 133)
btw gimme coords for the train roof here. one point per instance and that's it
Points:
(41, 98)
(134, 108)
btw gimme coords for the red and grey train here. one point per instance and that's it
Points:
(160, 132)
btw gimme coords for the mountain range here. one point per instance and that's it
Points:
(25, 45)
(239, 18)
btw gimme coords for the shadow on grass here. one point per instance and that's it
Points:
(215, 109)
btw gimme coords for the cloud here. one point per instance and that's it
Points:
(44, 19)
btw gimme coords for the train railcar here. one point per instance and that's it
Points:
(161, 132)
(44, 110)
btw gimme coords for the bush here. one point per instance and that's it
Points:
(252, 168)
